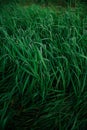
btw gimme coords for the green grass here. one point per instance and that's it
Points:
(43, 69)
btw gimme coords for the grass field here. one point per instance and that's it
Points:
(43, 68)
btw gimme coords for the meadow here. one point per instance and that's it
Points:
(43, 68)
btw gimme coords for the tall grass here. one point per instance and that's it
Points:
(43, 69)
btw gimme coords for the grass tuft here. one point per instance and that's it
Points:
(43, 69)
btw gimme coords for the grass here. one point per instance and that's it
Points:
(43, 69)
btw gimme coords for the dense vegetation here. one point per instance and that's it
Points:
(46, 2)
(43, 68)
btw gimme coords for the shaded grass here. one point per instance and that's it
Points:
(43, 69)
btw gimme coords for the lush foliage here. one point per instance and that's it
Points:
(46, 2)
(43, 69)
